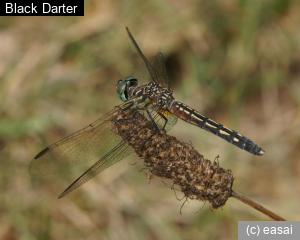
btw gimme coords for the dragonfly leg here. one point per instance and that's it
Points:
(166, 120)
(134, 113)
(152, 120)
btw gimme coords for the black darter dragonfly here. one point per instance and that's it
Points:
(97, 142)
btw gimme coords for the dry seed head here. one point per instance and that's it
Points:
(166, 157)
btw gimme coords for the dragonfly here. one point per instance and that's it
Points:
(99, 143)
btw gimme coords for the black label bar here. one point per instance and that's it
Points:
(42, 8)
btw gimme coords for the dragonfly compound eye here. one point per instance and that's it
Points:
(121, 90)
(131, 81)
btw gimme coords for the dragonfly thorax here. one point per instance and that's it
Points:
(158, 96)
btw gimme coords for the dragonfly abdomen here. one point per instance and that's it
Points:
(191, 116)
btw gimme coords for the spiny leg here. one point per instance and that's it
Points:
(135, 109)
(164, 117)
(152, 120)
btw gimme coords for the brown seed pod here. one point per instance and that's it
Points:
(166, 157)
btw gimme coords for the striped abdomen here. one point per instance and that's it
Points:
(191, 116)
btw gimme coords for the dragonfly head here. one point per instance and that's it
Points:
(123, 85)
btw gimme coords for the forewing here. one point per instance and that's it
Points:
(155, 75)
(87, 144)
(160, 67)
(121, 151)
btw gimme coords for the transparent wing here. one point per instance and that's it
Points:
(117, 153)
(87, 144)
(163, 119)
(112, 157)
(90, 143)
(172, 119)
(158, 64)
(157, 75)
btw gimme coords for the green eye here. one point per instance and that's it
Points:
(124, 85)
(121, 90)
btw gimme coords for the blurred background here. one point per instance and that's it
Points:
(235, 61)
